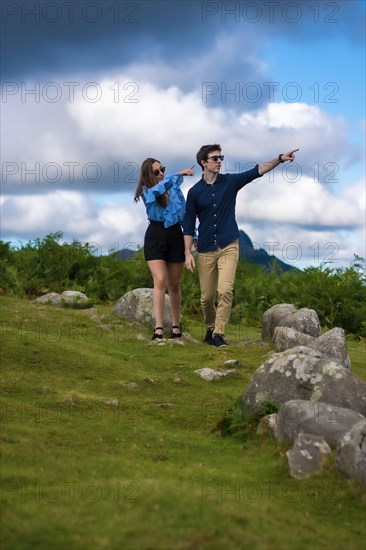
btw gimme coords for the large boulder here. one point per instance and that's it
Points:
(286, 315)
(332, 344)
(306, 374)
(351, 456)
(317, 418)
(137, 305)
(287, 375)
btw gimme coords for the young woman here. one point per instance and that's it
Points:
(163, 243)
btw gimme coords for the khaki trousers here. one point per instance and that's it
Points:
(217, 274)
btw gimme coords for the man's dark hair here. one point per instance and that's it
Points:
(205, 151)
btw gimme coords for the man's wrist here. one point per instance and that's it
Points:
(279, 158)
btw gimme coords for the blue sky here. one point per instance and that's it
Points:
(90, 89)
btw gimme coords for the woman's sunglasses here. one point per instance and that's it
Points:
(215, 158)
(157, 172)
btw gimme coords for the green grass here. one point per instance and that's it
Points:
(80, 470)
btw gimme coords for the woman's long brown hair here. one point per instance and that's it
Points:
(147, 179)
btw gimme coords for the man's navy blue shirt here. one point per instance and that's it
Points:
(214, 206)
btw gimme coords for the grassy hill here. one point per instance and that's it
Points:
(109, 442)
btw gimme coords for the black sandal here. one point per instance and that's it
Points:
(175, 334)
(157, 336)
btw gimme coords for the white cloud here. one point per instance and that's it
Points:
(48, 213)
(161, 122)
(304, 202)
(289, 115)
(77, 216)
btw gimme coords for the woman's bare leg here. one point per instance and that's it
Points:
(158, 270)
(174, 276)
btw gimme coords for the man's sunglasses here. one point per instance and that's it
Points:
(215, 158)
(157, 172)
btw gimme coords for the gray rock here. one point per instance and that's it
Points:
(332, 344)
(304, 373)
(316, 418)
(307, 321)
(137, 305)
(275, 316)
(287, 375)
(286, 315)
(339, 386)
(351, 455)
(308, 455)
(112, 401)
(74, 298)
(52, 298)
(211, 374)
(286, 337)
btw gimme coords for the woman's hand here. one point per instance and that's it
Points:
(187, 171)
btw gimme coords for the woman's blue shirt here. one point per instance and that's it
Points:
(174, 211)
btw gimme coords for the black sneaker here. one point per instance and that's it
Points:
(219, 342)
(208, 339)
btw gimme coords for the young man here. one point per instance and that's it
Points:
(212, 201)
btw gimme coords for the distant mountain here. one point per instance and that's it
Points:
(259, 255)
(123, 254)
